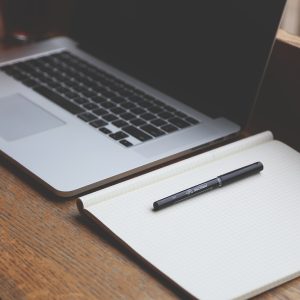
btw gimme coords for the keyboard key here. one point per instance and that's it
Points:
(138, 111)
(21, 77)
(108, 94)
(169, 128)
(139, 92)
(147, 116)
(33, 73)
(7, 69)
(62, 90)
(86, 80)
(127, 116)
(124, 93)
(169, 108)
(158, 122)
(118, 110)
(71, 95)
(180, 114)
(98, 99)
(100, 89)
(152, 130)
(192, 120)
(90, 106)
(58, 99)
(138, 122)
(87, 117)
(104, 130)
(120, 123)
(81, 100)
(145, 104)
(113, 86)
(80, 88)
(31, 83)
(89, 94)
(96, 77)
(98, 123)
(150, 98)
(71, 83)
(53, 84)
(118, 135)
(128, 105)
(179, 123)
(14, 71)
(155, 109)
(100, 112)
(108, 105)
(125, 143)
(110, 117)
(136, 99)
(138, 134)
(166, 115)
(117, 100)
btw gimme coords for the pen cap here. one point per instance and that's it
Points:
(241, 173)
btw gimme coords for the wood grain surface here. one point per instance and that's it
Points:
(49, 251)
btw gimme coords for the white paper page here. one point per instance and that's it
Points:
(232, 242)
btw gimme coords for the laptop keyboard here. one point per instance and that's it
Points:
(112, 106)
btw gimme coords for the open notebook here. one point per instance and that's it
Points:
(229, 243)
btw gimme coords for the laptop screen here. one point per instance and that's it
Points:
(208, 54)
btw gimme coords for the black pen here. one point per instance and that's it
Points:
(209, 185)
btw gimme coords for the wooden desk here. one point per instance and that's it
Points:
(48, 251)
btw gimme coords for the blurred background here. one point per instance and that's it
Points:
(26, 20)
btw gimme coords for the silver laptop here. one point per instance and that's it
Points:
(145, 82)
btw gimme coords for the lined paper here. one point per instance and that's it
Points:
(230, 243)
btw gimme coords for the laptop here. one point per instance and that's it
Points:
(136, 84)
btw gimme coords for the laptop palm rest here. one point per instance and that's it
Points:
(20, 118)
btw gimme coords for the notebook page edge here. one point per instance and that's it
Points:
(89, 200)
(268, 287)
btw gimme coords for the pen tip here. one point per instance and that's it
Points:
(261, 166)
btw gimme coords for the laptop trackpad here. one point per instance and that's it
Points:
(20, 118)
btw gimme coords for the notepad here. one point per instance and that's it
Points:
(230, 243)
